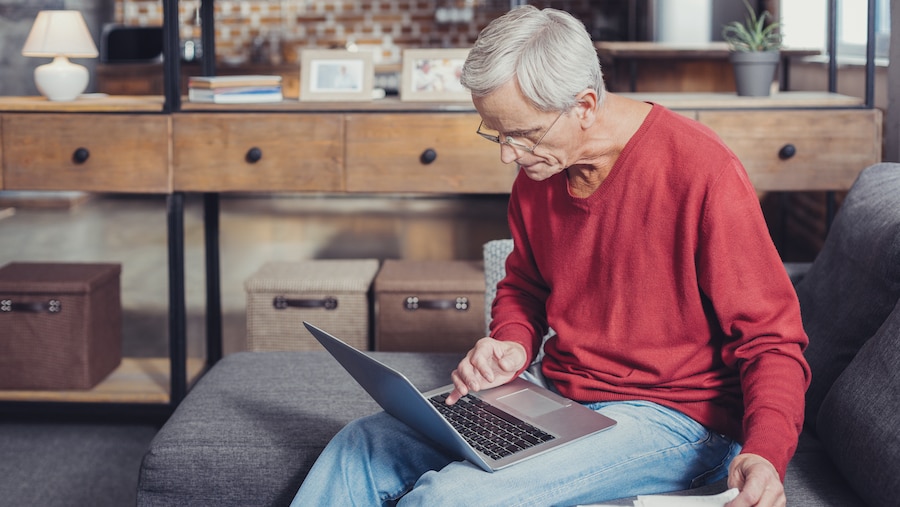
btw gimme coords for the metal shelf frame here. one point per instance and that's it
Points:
(211, 200)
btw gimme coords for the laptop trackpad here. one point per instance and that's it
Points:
(529, 403)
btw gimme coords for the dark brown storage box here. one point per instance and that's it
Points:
(429, 306)
(60, 324)
(330, 294)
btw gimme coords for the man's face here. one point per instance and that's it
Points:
(533, 139)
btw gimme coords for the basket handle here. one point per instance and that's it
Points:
(460, 304)
(51, 306)
(282, 303)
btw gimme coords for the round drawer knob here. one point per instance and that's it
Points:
(428, 156)
(787, 151)
(253, 155)
(80, 155)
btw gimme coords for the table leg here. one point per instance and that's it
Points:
(177, 305)
(213, 279)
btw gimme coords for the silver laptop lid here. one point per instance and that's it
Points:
(566, 420)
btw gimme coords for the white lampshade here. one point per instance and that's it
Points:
(58, 34)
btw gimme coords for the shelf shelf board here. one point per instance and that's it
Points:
(663, 50)
(136, 380)
(779, 100)
(92, 103)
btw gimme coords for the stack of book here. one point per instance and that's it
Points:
(234, 89)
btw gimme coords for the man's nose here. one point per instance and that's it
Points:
(508, 154)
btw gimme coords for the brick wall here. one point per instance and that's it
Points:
(247, 29)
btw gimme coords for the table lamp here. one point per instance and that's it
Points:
(60, 34)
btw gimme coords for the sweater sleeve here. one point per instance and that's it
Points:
(743, 276)
(518, 312)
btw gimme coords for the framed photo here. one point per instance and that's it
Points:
(433, 75)
(335, 74)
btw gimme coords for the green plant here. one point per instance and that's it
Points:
(756, 33)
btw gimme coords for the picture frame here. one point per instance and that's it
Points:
(433, 75)
(336, 75)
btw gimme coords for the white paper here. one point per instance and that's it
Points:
(686, 501)
(680, 501)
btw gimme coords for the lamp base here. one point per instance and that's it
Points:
(61, 80)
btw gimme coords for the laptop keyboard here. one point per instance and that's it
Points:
(487, 428)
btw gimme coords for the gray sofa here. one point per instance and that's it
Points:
(251, 428)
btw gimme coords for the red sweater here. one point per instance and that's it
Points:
(663, 285)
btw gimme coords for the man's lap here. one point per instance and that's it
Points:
(652, 449)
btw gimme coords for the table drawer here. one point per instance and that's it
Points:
(221, 152)
(92, 152)
(415, 152)
(801, 150)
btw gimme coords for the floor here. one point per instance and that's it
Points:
(71, 464)
(64, 462)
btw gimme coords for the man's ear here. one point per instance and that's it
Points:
(586, 107)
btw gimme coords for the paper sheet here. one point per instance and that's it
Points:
(681, 501)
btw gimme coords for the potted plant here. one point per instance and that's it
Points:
(755, 52)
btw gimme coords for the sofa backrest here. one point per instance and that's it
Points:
(858, 422)
(495, 253)
(854, 282)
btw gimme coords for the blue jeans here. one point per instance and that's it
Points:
(378, 460)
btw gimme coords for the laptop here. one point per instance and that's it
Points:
(493, 429)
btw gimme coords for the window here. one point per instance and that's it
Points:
(852, 26)
(805, 24)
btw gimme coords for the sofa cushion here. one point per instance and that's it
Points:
(854, 282)
(812, 480)
(249, 431)
(858, 420)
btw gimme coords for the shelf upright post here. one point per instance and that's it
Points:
(177, 304)
(832, 45)
(208, 37)
(213, 279)
(175, 216)
(870, 56)
(171, 57)
(211, 208)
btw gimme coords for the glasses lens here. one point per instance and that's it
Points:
(519, 145)
(489, 134)
(493, 135)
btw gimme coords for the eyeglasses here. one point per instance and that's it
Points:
(494, 137)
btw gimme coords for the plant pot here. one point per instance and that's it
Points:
(754, 72)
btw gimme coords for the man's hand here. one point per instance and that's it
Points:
(490, 363)
(758, 481)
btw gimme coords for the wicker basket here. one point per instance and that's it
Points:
(331, 294)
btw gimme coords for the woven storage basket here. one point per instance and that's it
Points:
(331, 294)
(429, 306)
(60, 324)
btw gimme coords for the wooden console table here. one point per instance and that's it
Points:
(103, 144)
(789, 141)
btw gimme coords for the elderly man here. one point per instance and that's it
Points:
(639, 240)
